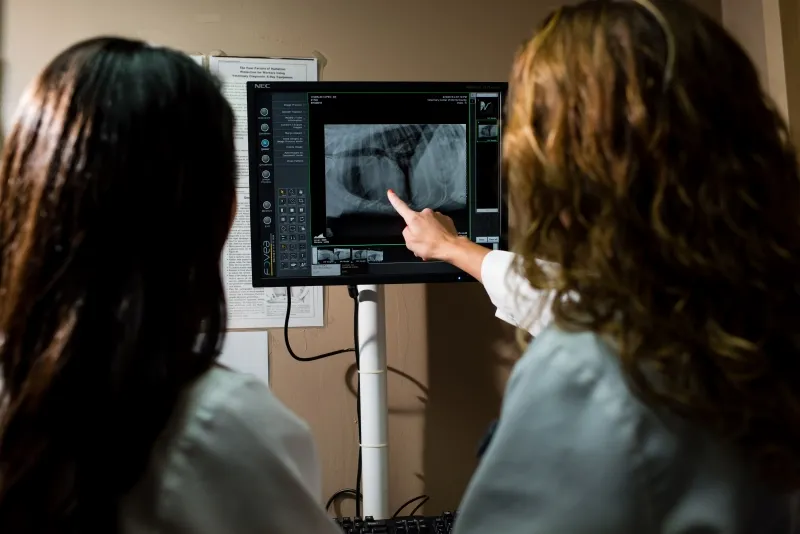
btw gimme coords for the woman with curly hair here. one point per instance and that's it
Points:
(646, 161)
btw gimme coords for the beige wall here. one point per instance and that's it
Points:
(769, 31)
(790, 33)
(447, 372)
(757, 26)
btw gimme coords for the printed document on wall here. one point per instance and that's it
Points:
(235, 72)
(250, 307)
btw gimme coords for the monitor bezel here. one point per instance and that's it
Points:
(457, 276)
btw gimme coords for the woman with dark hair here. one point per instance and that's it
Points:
(116, 197)
(645, 161)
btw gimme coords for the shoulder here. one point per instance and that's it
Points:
(572, 365)
(574, 381)
(568, 392)
(576, 373)
(233, 459)
(226, 404)
(237, 399)
(577, 379)
(231, 416)
(566, 416)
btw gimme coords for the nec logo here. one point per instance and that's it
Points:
(263, 85)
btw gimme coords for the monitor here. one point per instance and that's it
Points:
(323, 154)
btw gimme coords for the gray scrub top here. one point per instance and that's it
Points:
(576, 452)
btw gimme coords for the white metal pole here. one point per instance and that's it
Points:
(374, 405)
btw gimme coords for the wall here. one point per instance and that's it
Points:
(443, 342)
(756, 24)
(790, 33)
(769, 31)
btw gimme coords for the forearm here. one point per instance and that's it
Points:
(466, 255)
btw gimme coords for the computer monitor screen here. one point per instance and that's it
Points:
(323, 155)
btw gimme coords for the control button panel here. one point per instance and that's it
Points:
(292, 232)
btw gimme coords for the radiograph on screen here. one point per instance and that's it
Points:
(425, 164)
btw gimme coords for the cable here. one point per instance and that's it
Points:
(353, 292)
(341, 493)
(420, 505)
(423, 498)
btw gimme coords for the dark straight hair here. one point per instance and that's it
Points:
(116, 197)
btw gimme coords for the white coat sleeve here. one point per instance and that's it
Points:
(250, 465)
(516, 301)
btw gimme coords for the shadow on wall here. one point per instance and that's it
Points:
(465, 380)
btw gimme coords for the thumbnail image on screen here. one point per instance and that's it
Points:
(425, 164)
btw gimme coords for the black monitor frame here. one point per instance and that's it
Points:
(451, 275)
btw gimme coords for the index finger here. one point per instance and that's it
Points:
(401, 207)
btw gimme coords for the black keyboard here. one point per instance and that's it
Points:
(439, 524)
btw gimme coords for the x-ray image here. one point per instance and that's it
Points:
(341, 254)
(375, 256)
(425, 164)
(359, 254)
(324, 255)
(487, 131)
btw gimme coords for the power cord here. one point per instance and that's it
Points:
(341, 493)
(420, 505)
(422, 498)
(353, 292)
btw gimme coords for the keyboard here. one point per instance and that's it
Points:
(439, 524)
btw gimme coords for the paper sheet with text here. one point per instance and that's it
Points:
(235, 72)
(248, 307)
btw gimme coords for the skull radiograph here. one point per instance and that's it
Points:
(425, 164)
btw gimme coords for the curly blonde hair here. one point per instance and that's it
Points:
(645, 159)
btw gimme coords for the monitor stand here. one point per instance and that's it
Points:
(374, 405)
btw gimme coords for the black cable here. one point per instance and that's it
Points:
(320, 356)
(423, 498)
(420, 505)
(341, 493)
(353, 292)
(358, 475)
